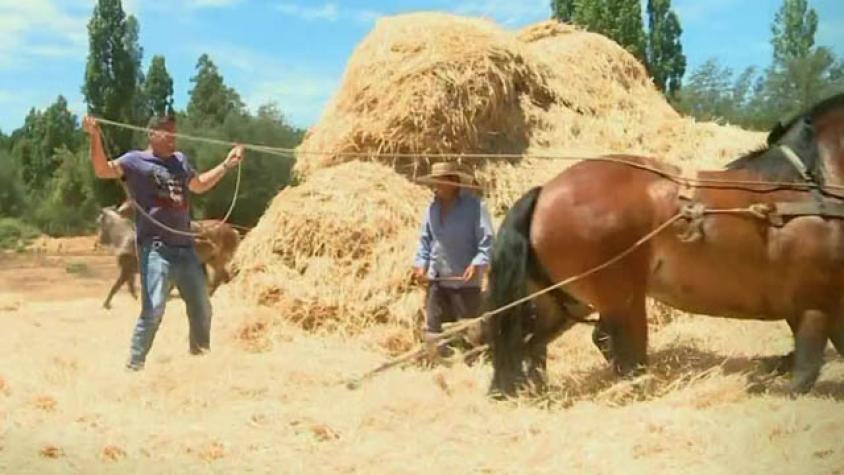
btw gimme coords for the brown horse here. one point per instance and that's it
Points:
(215, 245)
(741, 250)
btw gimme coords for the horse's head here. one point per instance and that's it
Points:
(812, 140)
(111, 227)
(827, 120)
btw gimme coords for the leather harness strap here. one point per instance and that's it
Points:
(798, 164)
(777, 214)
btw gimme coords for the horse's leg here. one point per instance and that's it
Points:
(602, 339)
(783, 364)
(117, 283)
(836, 334)
(130, 268)
(550, 320)
(537, 368)
(628, 335)
(219, 276)
(130, 280)
(809, 345)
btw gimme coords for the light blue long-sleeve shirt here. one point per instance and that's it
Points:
(449, 244)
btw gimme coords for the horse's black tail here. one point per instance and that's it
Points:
(511, 258)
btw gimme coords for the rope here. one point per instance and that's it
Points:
(284, 152)
(677, 178)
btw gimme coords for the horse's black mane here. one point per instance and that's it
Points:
(826, 105)
(797, 133)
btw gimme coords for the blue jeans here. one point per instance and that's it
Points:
(161, 266)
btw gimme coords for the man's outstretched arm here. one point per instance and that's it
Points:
(103, 168)
(201, 183)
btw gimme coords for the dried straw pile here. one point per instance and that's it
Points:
(430, 82)
(334, 252)
(337, 248)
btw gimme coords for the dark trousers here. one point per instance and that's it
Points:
(444, 304)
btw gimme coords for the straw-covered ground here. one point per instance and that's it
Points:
(322, 295)
(67, 405)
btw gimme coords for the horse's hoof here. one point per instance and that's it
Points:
(779, 365)
(497, 395)
(756, 388)
(800, 388)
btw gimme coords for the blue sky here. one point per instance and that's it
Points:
(293, 52)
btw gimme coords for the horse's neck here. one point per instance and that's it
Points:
(121, 229)
(831, 148)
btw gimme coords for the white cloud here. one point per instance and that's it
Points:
(697, 11)
(260, 78)
(197, 4)
(365, 16)
(39, 28)
(506, 12)
(237, 57)
(831, 34)
(302, 95)
(8, 97)
(328, 11)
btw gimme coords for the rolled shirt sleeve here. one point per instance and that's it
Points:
(423, 249)
(484, 236)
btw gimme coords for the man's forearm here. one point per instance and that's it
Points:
(209, 179)
(99, 159)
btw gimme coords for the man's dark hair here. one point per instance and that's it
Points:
(158, 122)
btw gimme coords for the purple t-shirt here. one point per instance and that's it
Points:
(160, 186)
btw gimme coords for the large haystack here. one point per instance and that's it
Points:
(336, 250)
(430, 83)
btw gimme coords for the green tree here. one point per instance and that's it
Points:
(42, 134)
(666, 61)
(707, 95)
(793, 30)
(801, 73)
(111, 72)
(68, 206)
(60, 127)
(111, 79)
(211, 101)
(139, 114)
(563, 10)
(12, 192)
(619, 20)
(795, 84)
(158, 88)
(628, 30)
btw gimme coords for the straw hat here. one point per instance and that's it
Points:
(441, 170)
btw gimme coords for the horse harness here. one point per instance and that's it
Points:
(776, 214)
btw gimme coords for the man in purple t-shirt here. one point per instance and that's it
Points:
(159, 179)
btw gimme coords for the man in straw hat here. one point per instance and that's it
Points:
(158, 179)
(454, 248)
